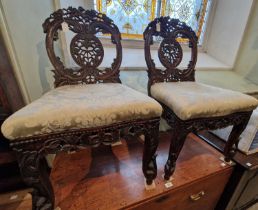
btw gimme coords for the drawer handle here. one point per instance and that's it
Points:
(197, 196)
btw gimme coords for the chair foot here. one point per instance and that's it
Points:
(167, 177)
(34, 172)
(226, 161)
(149, 184)
(229, 156)
(170, 166)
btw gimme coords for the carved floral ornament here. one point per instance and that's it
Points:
(170, 52)
(86, 49)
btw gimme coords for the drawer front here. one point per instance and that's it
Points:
(200, 195)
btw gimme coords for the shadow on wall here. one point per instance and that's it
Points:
(253, 74)
(44, 65)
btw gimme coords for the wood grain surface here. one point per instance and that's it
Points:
(111, 178)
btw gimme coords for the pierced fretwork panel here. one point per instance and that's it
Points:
(170, 52)
(85, 48)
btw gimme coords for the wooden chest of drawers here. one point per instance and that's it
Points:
(110, 178)
(201, 194)
(199, 180)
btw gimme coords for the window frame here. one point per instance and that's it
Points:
(139, 44)
(135, 43)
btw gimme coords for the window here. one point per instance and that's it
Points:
(132, 16)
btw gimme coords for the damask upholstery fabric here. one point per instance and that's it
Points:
(80, 106)
(191, 100)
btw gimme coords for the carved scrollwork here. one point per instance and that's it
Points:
(210, 123)
(72, 142)
(31, 151)
(170, 51)
(34, 175)
(86, 49)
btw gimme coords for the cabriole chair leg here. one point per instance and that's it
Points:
(149, 165)
(177, 142)
(233, 139)
(34, 172)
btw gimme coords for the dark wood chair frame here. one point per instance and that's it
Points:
(170, 55)
(31, 151)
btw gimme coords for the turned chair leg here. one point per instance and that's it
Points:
(149, 165)
(34, 172)
(177, 142)
(233, 139)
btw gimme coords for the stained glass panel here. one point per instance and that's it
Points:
(131, 16)
(192, 12)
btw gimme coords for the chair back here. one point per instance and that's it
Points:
(174, 34)
(85, 47)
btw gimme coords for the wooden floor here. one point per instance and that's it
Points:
(111, 178)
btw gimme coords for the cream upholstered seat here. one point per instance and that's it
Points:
(191, 100)
(80, 106)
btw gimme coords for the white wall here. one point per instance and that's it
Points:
(247, 60)
(24, 26)
(227, 29)
(23, 29)
(21, 23)
(87, 4)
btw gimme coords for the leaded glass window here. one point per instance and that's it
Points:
(132, 16)
(193, 12)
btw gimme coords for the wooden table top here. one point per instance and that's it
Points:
(111, 178)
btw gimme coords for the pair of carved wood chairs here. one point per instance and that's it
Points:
(89, 106)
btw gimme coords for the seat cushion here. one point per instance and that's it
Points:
(191, 100)
(80, 106)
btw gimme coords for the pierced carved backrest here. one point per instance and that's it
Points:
(174, 34)
(85, 47)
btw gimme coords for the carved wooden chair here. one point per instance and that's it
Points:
(88, 107)
(189, 106)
